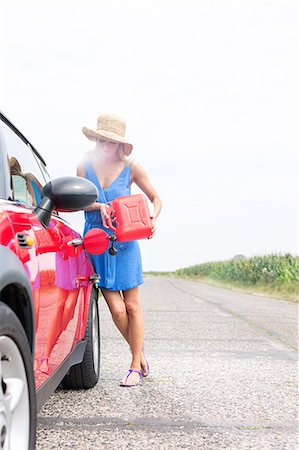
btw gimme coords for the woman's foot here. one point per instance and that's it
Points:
(132, 378)
(35, 365)
(44, 367)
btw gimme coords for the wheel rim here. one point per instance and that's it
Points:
(14, 397)
(95, 336)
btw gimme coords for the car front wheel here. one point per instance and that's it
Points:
(17, 390)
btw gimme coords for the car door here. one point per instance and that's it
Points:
(54, 268)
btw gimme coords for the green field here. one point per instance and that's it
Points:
(271, 275)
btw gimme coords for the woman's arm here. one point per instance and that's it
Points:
(139, 176)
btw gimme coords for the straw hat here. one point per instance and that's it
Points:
(111, 128)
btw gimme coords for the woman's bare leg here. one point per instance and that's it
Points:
(122, 309)
(118, 311)
(55, 329)
(135, 331)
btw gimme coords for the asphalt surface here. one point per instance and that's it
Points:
(223, 376)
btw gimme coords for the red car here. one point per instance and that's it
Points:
(49, 321)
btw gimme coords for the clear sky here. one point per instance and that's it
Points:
(209, 90)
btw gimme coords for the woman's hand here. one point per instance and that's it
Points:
(104, 210)
(153, 230)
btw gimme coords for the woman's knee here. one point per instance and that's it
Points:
(133, 307)
(115, 304)
(132, 301)
(118, 312)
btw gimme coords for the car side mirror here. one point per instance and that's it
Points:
(65, 194)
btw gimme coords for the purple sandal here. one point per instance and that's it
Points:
(125, 384)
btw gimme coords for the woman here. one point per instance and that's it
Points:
(108, 166)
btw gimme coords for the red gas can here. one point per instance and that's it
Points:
(131, 217)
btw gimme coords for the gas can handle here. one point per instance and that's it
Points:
(110, 221)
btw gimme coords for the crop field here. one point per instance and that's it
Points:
(276, 274)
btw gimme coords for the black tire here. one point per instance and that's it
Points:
(86, 374)
(17, 427)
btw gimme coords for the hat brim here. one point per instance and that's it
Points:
(107, 135)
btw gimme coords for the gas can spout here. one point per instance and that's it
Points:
(112, 250)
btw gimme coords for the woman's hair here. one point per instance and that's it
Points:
(15, 168)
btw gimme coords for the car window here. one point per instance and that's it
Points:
(43, 169)
(26, 176)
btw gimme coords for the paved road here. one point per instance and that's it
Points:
(223, 376)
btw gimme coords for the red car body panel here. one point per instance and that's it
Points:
(60, 278)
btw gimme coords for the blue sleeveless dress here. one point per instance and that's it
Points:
(124, 270)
